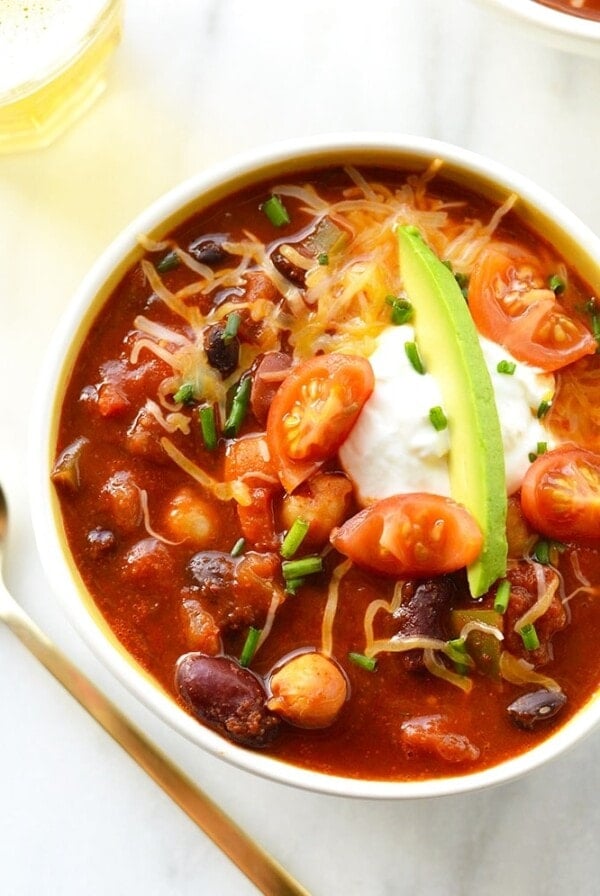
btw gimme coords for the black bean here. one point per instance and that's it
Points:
(208, 250)
(536, 707)
(227, 697)
(221, 354)
(292, 272)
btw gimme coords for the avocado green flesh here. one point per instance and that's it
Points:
(449, 346)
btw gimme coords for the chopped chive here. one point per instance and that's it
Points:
(529, 637)
(239, 406)
(541, 448)
(502, 597)
(297, 569)
(231, 327)
(462, 280)
(294, 538)
(437, 418)
(412, 353)
(208, 426)
(369, 663)
(292, 585)
(275, 211)
(543, 408)
(507, 367)
(238, 547)
(596, 327)
(249, 648)
(186, 394)
(323, 258)
(556, 284)
(546, 551)
(168, 262)
(457, 652)
(402, 310)
(541, 552)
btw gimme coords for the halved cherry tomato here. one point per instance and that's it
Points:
(575, 412)
(511, 304)
(411, 535)
(560, 494)
(313, 411)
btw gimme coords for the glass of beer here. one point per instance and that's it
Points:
(53, 61)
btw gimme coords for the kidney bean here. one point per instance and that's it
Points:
(221, 355)
(268, 374)
(536, 707)
(225, 696)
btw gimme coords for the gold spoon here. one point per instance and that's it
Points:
(264, 871)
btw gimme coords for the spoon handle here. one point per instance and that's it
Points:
(263, 870)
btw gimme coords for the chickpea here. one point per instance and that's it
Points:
(308, 691)
(190, 517)
(323, 501)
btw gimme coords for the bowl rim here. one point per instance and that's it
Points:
(255, 165)
(567, 28)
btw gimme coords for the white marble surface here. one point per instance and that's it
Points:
(195, 81)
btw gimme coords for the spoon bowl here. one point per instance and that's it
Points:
(265, 872)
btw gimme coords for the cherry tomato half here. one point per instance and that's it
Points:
(512, 304)
(313, 411)
(411, 535)
(560, 494)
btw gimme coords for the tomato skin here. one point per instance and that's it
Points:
(560, 494)
(512, 305)
(313, 411)
(415, 534)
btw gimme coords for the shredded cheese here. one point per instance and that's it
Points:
(222, 491)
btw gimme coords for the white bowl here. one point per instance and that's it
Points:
(559, 29)
(543, 212)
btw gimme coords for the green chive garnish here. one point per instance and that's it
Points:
(437, 418)
(294, 538)
(292, 585)
(168, 263)
(529, 637)
(323, 258)
(208, 426)
(275, 211)
(186, 394)
(369, 663)
(543, 408)
(457, 652)
(239, 406)
(231, 327)
(543, 551)
(556, 284)
(249, 648)
(238, 547)
(412, 353)
(502, 597)
(507, 367)
(305, 566)
(402, 310)
(541, 448)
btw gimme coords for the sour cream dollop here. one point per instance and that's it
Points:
(394, 448)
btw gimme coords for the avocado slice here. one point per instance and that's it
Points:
(449, 346)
